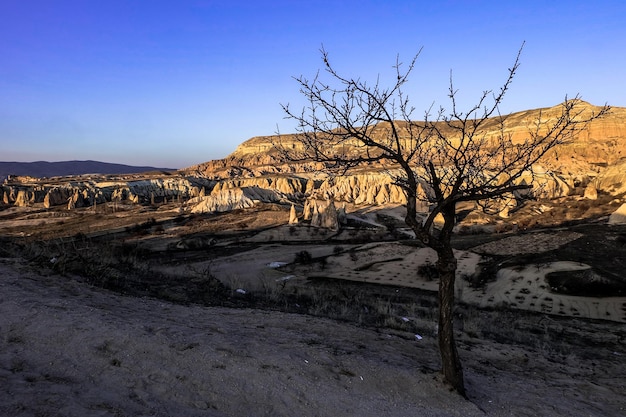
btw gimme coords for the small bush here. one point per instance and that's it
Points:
(323, 263)
(303, 257)
(428, 271)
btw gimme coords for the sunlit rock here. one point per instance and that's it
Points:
(293, 216)
(591, 192)
(324, 215)
(618, 216)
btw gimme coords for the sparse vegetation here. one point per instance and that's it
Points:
(428, 271)
(303, 257)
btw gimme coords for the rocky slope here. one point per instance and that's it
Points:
(602, 143)
(84, 191)
(592, 163)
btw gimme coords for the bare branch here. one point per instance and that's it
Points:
(458, 156)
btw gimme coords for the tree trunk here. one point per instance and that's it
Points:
(451, 364)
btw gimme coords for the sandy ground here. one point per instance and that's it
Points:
(71, 350)
(524, 287)
(521, 287)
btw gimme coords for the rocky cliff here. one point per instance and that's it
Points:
(601, 143)
(592, 160)
(592, 163)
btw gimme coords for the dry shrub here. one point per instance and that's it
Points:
(428, 271)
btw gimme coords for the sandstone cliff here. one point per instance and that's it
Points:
(592, 163)
(590, 159)
(601, 143)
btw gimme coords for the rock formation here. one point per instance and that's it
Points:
(602, 142)
(257, 173)
(293, 216)
(324, 214)
(618, 216)
(21, 191)
(291, 186)
(257, 162)
(233, 198)
(591, 192)
(612, 180)
(23, 198)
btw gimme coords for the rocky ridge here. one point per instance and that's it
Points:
(593, 163)
(84, 191)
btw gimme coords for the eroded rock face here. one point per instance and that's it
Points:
(324, 214)
(291, 186)
(234, 198)
(56, 196)
(23, 198)
(591, 192)
(86, 192)
(602, 143)
(547, 183)
(363, 189)
(293, 216)
(612, 180)
(256, 172)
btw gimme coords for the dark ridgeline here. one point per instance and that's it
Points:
(55, 169)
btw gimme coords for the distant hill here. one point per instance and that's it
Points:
(54, 169)
(601, 143)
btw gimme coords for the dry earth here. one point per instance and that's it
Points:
(522, 286)
(68, 348)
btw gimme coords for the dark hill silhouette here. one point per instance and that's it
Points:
(64, 168)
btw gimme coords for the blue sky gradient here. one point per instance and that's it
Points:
(175, 83)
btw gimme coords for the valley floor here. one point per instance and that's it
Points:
(72, 350)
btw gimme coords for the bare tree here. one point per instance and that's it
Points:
(456, 156)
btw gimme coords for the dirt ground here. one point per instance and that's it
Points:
(68, 347)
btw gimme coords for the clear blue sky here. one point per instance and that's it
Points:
(175, 83)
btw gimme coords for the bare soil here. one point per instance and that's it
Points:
(149, 312)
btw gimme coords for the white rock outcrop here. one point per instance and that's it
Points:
(291, 186)
(233, 198)
(293, 216)
(324, 214)
(618, 216)
(86, 191)
(374, 188)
